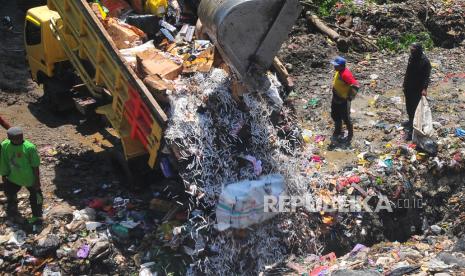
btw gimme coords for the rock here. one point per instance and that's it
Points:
(403, 270)
(61, 253)
(348, 272)
(409, 253)
(46, 246)
(450, 259)
(60, 211)
(460, 245)
(51, 270)
(100, 250)
(442, 274)
(383, 261)
(436, 265)
(436, 229)
(87, 214)
(289, 67)
(75, 225)
(400, 264)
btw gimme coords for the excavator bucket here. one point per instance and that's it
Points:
(249, 33)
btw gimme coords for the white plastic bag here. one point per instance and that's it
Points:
(423, 122)
(423, 130)
(129, 54)
(241, 204)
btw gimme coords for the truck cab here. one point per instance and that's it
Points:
(42, 48)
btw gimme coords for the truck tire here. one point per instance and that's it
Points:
(24, 5)
(57, 95)
(122, 168)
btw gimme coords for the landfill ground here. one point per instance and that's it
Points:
(77, 172)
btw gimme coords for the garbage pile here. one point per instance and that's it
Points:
(110, 234)
(446, 22)
(219, 132)
(216, 140)
(220, 135)
(367, 26)
(421, 255)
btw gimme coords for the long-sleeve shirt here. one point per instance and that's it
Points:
(418, 74)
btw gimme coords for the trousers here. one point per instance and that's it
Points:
(35, 199)
(340, 112)
(412, 99)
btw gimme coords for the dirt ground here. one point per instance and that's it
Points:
(75, 165)
(62, 138)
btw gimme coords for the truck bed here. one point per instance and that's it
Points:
(134, 112)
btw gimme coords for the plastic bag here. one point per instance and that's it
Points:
(129, 54)
(423, 121)
(157, 7)
(116, 7)
(241, 204)
(423, 130)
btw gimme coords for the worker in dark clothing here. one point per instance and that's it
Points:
(416, 81)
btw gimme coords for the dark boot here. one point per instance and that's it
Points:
(409, 135)
(12, 202)
(12, 208)
(350, 135)
(337, 131)
(36, 200)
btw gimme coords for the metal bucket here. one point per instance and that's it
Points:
(248, 33)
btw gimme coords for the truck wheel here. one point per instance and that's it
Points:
(122, 168)
(57, 95)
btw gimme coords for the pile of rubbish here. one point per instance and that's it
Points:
(110, 234)
(229, 144)
(421, 255)
(364, 26)
(446, 21)
(221, 134)
(224, 139)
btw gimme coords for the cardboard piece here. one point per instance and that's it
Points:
(153, 62)
(123, 35)
(203, 63)
(158, 87)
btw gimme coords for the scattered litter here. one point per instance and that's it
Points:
(83, 252)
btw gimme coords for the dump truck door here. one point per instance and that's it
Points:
(34, 47)
(249, 33)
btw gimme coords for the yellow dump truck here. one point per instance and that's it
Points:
(66, 36)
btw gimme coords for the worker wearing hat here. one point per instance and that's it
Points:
(345, 87)
(19, 167)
